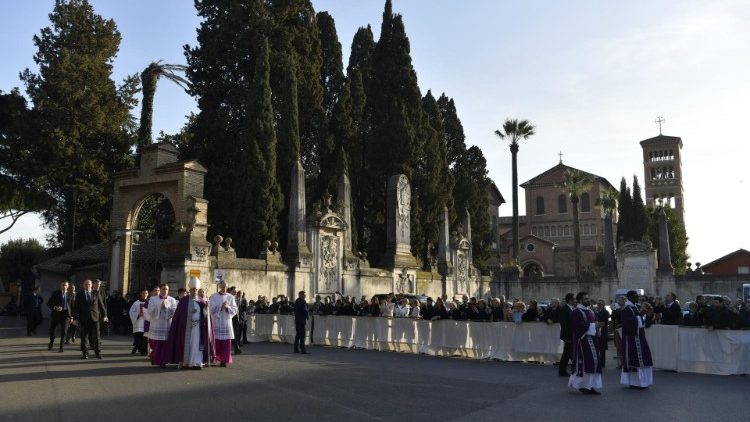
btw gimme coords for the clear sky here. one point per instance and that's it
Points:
(592, 76)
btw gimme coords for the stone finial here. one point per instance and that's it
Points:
(228, 244)
(218, 239)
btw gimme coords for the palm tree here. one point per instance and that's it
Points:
(515, 130)
(149, 77)
(608, 203)
(575, 183)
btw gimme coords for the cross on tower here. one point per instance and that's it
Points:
(659, 120)
(560, 154)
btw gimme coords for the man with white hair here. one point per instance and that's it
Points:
(191, 341)
(223, 307)
(160, 312)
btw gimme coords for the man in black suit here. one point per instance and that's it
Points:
(88, 312)
(300, 321)
(672, 313)
(61, 305)
(33, 308)
(566, 333)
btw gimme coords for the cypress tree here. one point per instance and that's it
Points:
(358, 75)
(295, 34)
(470, 192)
(258, 199)
(638, 214)
(624, 212)
(435, 182)
(220, 69)
(338, 131)
(396, 135)
(82, 119)
(454, 130)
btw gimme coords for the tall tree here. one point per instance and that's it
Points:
(259, 198)
(470, 192)
(608, 203)
(678, 239)
(220, 69)
(358, 76)
(294, 33)
(574, 184)
(397, 127)
(454, 130)
(84, 119)
(515, 130)
(22, 173)
(639, 220)
(17, 259)
(625, 212)
(149, 77)
(434, 178)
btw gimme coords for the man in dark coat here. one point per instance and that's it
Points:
(301, 316)
(33, 309)
(60, 304)
(637, 365)
(88, 312)
(672, 313)
(566, 333)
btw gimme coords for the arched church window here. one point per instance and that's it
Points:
(539, 205)
(585, 202)
(562, 204)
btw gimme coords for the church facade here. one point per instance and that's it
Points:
(546, 231)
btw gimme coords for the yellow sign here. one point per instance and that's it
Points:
(195, 273)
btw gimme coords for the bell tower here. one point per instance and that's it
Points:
(662, 167)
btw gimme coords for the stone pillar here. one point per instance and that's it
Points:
(467, 224)
(345, 209)
(609, 247)
(398, 224)
(665, 256)
(297, 250)
(444, 253)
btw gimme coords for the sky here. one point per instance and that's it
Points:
(592, 77)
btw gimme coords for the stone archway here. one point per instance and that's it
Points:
(531, 266)
(181, 182)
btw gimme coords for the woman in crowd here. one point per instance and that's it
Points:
(648, 313)
(519, 308)
(440, 312)
(415, 309)
(693, 318)
(531, 314)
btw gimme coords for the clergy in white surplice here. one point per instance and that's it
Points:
(160, 311)
(138, 318)
(222, 307)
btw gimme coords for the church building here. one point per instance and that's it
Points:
(546, 231)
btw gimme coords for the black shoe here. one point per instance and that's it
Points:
(305, 352)
(61, 349)
(585, 391)
(245, 342)
(85, 356)
(49, 346)
(132, 352)
(238, 351)
(67, 341)
(98, 356)
(296, 351)
(73, 341)
(223, 365)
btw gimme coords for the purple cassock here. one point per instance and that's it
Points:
(587, 372)
(180, 331)
(637, 363)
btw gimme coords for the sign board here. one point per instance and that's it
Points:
(195, 273)
(219, 276)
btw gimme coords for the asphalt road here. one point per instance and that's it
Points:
(268, 382)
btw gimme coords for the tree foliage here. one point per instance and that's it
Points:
(17, 259)
(678, 239)
(84, 122)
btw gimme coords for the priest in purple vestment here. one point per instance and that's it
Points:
(637, 366)
(191, 341)
(587, 370)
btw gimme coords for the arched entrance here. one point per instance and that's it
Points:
(533, 269)
(154, 223)
(160, 198)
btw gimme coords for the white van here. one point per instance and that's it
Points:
(624, 292)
